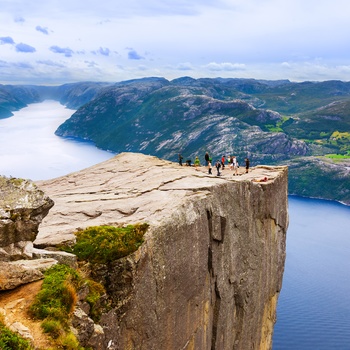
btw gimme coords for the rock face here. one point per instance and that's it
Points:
(210, 270)
(22, 208)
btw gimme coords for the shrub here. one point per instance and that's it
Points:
(104, 244)
(10, 340)
(96, 290)
(53, 328)
(70, 342)
(55, 303)
(57, 297)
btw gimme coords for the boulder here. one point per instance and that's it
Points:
(22, 208)
(16, 273)
(60, 256)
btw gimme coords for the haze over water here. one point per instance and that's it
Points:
(314, 305)
(30, 149)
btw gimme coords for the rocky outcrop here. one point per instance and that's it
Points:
(19, 272)
(22, 208)
(210, 270)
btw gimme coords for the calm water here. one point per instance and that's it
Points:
(314, 306)
(30, 149)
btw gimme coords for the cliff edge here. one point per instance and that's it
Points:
(210, 270)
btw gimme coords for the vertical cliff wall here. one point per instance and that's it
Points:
(210, 270)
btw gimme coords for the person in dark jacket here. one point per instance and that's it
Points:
(218, 166)
(247, 163)
(206, 157)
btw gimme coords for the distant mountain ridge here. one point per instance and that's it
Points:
(271, 122)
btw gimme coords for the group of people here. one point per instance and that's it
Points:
(232, 162)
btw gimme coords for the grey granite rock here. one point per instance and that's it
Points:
(22, 208)
(210, 270)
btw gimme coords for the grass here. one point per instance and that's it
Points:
(338, 156)
(57, 298)
(104, 244)
(55, 303)
(10, 340)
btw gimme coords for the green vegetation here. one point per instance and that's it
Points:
(57, 298)
(55, 303)
(95, 292)
(338, 156)
(10, 340)
(104, 244)
(316, 178)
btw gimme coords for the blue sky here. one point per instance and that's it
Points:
(61, 41)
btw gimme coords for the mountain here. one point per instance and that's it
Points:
(304, 125)
(165, 118)
(15, 97)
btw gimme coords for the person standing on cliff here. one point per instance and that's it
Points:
(206, 157)
(218, 166)
(231, 162)
(180, 159)
(247, 163)
(197, 162)
(223, 162)
(235, 165)
(209, 167)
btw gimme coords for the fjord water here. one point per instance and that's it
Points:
(30, 149)
(314, 306)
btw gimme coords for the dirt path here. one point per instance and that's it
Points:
(14, 304)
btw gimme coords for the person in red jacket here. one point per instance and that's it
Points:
(223, 162)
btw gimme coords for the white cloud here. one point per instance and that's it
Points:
(184, 66)
(269, 39)
(225, 66)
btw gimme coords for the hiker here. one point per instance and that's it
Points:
(264, 179)
(247, 163)
(218, 166)
(235, 165)
(206, 157)
(231, 162)
(197, 162)
(223, 162)
(180, 159)
(209, 167)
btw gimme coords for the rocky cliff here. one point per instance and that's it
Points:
(210, 270)
(22, 208)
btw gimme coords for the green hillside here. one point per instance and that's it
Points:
(303, 125)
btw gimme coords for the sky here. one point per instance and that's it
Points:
(52, 42)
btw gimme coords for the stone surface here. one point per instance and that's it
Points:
(22, 330)
(22, 208)
(210, 270)
(82, 326)
(16, 273)
(60, 256)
